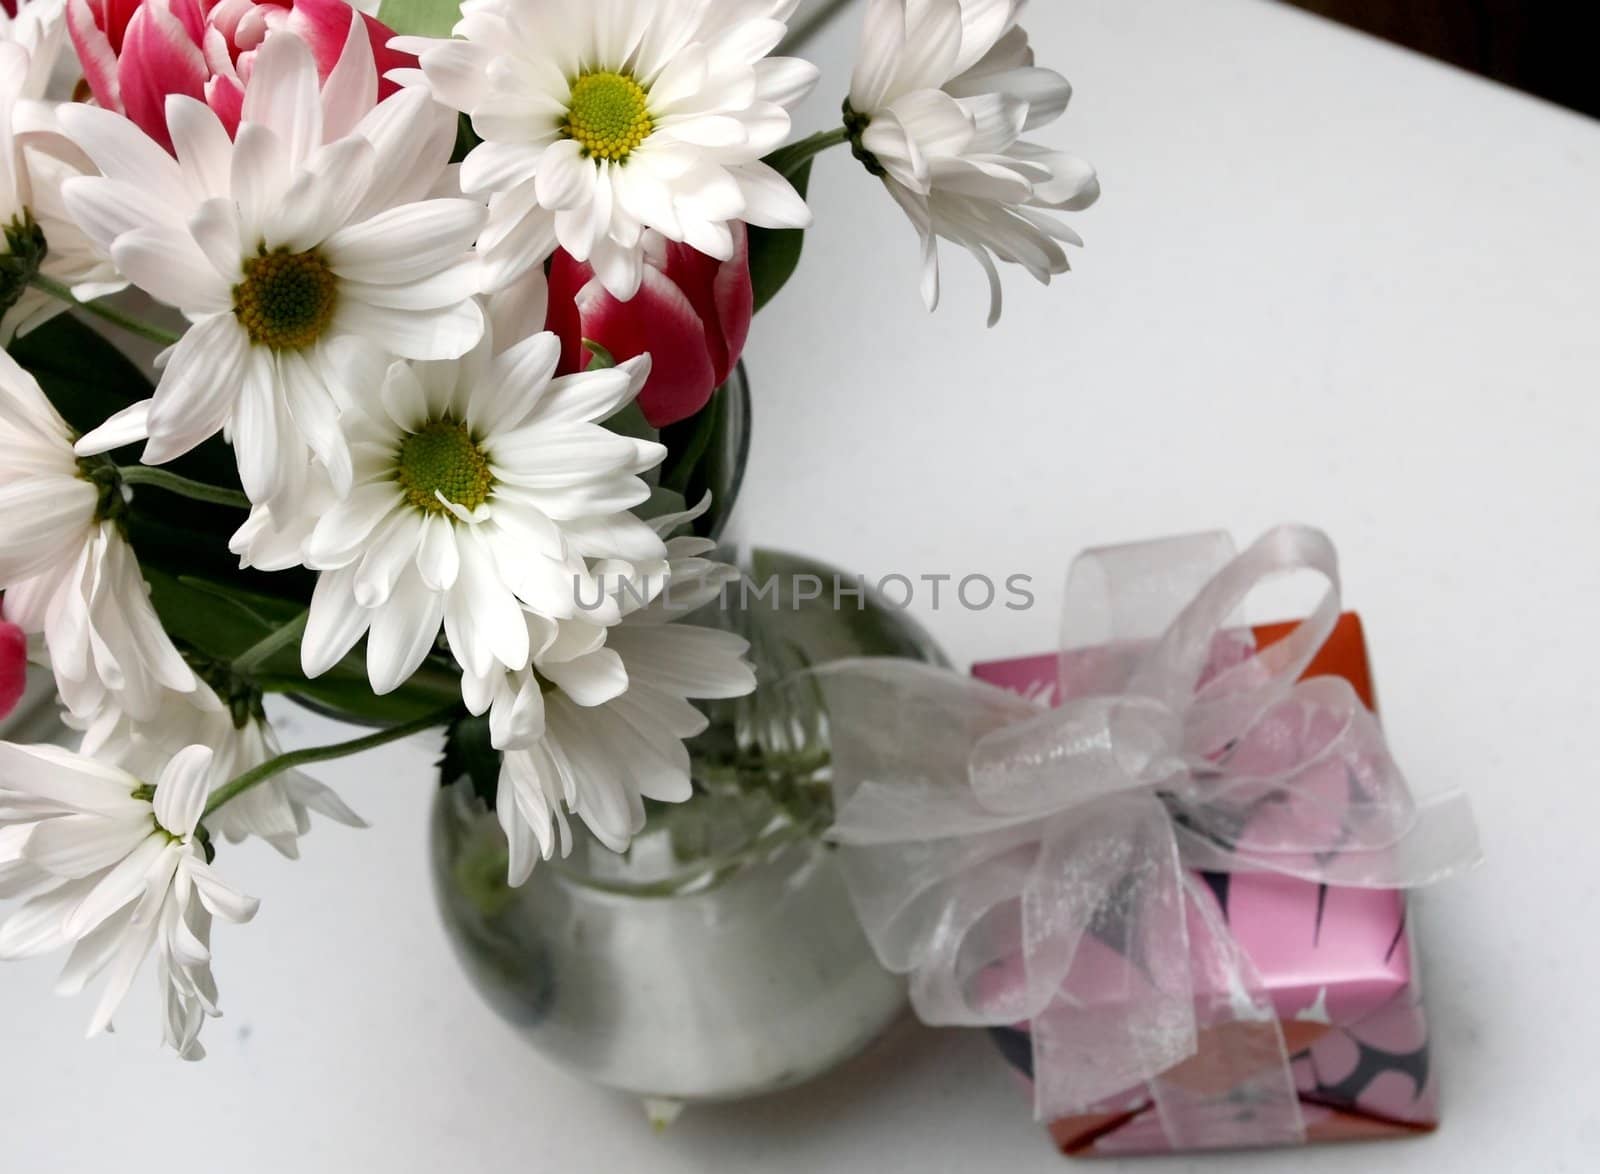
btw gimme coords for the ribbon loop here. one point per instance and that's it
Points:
(1030, 865)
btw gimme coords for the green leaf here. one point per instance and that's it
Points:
(629, 421)
(469, 754)
(344, 692)
(218, 620)
(775, 252)
(420, 18)
(466, 139)
(263, 611)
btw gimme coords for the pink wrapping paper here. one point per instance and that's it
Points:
(1338, 964)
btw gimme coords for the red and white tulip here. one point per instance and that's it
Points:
(137, 52)
(691, 315)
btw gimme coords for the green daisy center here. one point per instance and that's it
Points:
(286, 300)
(441, 457)
(608, 116)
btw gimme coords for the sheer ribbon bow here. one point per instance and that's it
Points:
(1023, 864)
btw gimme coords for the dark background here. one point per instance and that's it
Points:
(1547, 47)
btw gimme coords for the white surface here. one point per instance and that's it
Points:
(1330, 282)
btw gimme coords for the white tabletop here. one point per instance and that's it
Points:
(1329, 281)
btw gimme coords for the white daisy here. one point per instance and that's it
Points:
(941, 97)
(276, 245)
(481, 487)
(66, 569)
(35, 235)
(602, 119)
(115, 869)
(596, 728)
(277, 810)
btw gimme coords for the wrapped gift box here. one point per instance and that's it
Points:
(1338, 964)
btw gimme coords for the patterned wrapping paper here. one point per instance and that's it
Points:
(1338, 963)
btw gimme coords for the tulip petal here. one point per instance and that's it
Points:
(94, 51)
(662, 321)
(324, 25)
(722, 296)
(13, 666)
(566, 281)
(158, 58)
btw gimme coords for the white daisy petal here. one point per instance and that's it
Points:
(351, 88)
(36, 927)
(216, 230)
(198, 389)
(445, 333)
(181, 792)
(201, 144)
(171, 267)
(366, 251)
(438, 560)
(124, 152)
(78, 846)
(284, 96)
(335, 624)
(403, 633)
(220, 898)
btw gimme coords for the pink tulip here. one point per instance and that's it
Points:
(13, 666)
(136, 52)
(692, 313)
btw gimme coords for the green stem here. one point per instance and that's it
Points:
(788, 161)
(182, 486)
(116, 317)
(297, 758)
(259, 653)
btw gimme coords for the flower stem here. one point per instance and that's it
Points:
(116, 317)
(297, 758)
(788, 161)
(258, 654)
(182, 486)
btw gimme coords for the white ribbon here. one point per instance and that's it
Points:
(1027, 864)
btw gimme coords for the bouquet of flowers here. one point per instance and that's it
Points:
(444, 296)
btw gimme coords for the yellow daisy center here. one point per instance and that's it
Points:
(608, 115)
(441, 457)
(286, 300)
